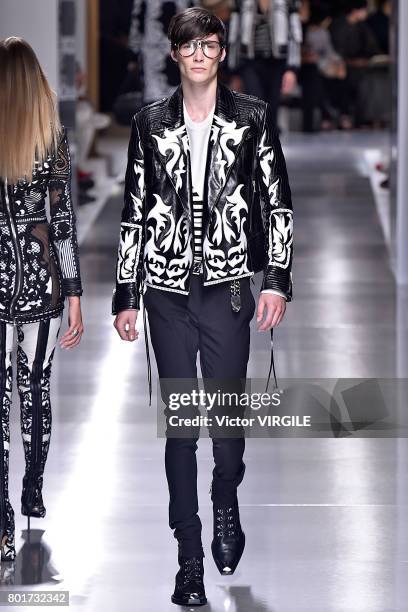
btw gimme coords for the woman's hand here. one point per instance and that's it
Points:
(72, 336)
(125, 325)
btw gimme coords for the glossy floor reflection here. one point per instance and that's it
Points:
(324, 518)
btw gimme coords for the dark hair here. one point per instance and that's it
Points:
(355, 5)
(319, 13)
(193, 23)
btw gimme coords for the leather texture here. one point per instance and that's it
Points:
(189, 588)
(228, 542)
(246, 193)
(39, 263)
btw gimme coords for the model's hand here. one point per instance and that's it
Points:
(73, 335)
(289, 82)
(125, 325)
(273, 306)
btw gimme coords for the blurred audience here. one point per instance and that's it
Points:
(330, 57)
(150, 20)
(379, 23)
(354, 41)
(87, 122)
(323, 72)
(264, 43)
(114, 53)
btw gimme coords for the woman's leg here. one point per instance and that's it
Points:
(36, 345)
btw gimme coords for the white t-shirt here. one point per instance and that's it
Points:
(198, 134)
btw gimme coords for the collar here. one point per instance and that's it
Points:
(225, 106)
(198, 125)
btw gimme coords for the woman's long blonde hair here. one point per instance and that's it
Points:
(29, 122)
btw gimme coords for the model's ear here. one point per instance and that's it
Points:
(223, 55)
(173, 55)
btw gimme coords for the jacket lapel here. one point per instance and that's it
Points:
(172, 147)
(225, 142)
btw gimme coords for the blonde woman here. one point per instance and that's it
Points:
(39, 265)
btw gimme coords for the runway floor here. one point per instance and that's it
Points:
(324, 517)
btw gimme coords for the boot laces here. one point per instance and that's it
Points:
(225, 522)
(191, 570)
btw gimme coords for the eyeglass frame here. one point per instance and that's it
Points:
(198, 44)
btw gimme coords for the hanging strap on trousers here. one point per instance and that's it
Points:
(236, 306)
(271, 366)
(149, 368)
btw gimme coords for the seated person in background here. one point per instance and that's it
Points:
(323, 73)
(87, 122)
(355, 42)
(379, 24)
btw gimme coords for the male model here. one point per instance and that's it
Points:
(205, 166)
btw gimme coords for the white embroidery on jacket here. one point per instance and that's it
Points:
(227, 226)
(175, 141)
(224, 132)
(168, 253)
(128, 252)
(280, 236)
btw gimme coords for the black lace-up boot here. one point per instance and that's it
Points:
(189, 590)
(229, 540)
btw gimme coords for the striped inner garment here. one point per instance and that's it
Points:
(198, 233)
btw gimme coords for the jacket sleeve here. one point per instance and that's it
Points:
(295, 36)
(129, 267)
(277, 209)
(63, 221)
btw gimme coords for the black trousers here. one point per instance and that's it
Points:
(262, 77)
(314, 95)
(180, 327)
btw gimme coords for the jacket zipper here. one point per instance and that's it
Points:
(13, 227)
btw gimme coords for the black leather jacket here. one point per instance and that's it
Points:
(39, 262)
(246, 186)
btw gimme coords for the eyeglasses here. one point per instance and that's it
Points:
(210, 48)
